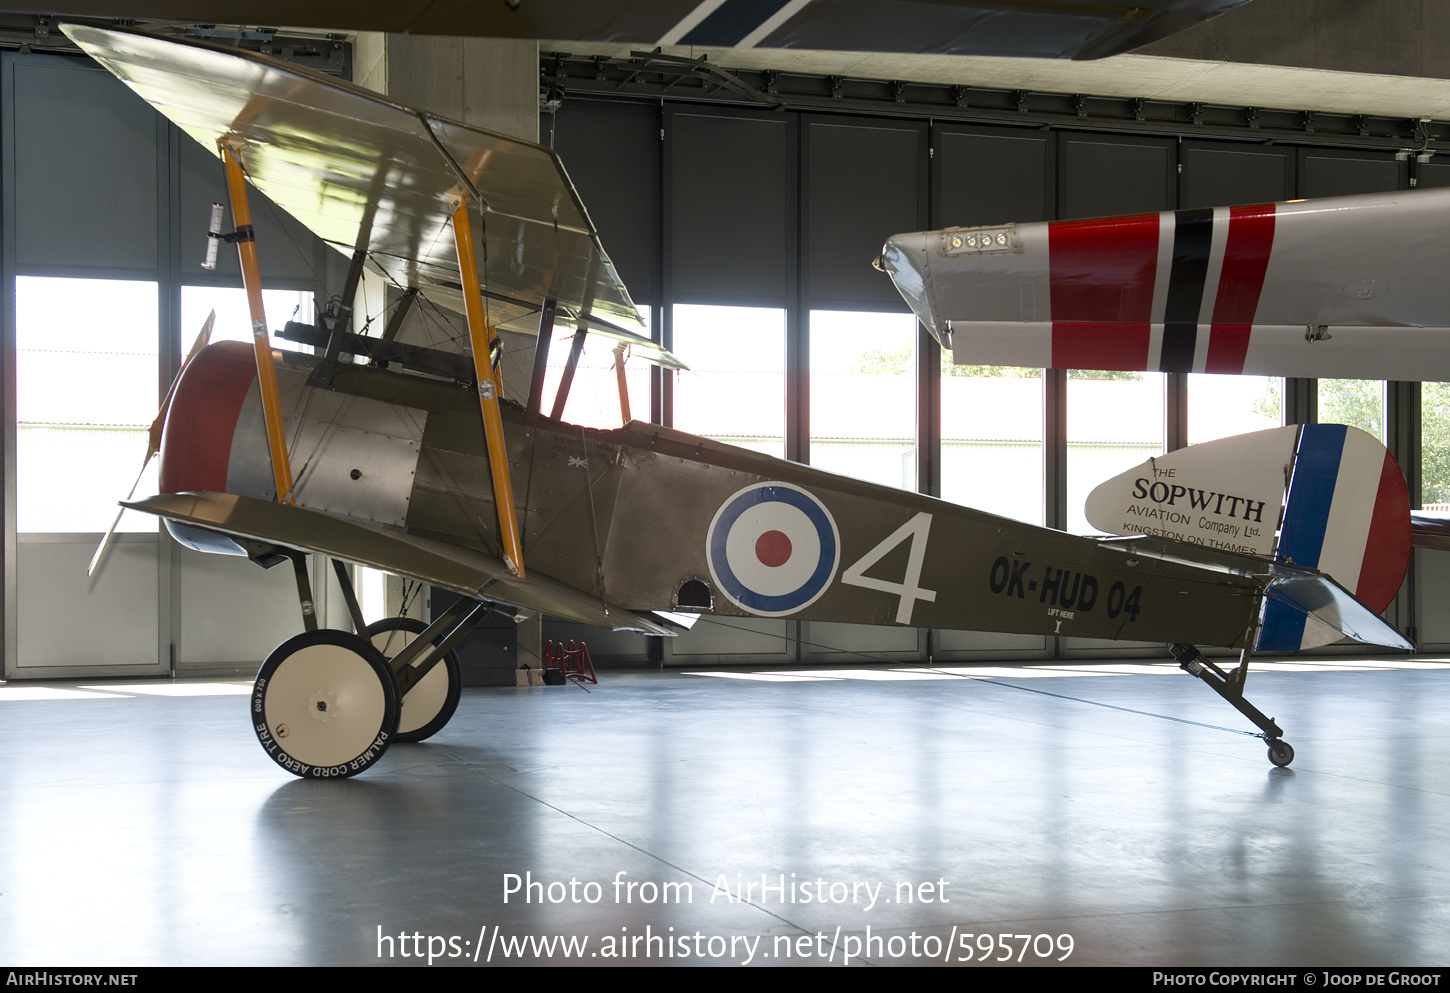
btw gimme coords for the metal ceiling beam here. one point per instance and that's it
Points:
(593, 77)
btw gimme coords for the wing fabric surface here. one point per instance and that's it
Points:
(360, 170)
(1347, 287)
(452, 567)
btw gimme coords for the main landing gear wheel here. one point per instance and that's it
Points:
(1281, 753)
(325, 705)
(430, 704)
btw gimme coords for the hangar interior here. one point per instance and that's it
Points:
(744, 221)
(742, 204)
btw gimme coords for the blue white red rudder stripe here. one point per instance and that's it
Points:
(1347, 514)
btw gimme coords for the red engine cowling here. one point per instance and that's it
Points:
(355, 453)
(196, 443)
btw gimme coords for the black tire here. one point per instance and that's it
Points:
(325, 705)
(429, 705)
(1281, 753)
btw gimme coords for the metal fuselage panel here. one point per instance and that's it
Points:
(352, 456)
(630, 515)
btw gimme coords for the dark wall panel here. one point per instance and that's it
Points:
(1327, 172)
(1432, 174)
(864, 182)
(732, 199)
(993, 176)
(1225, 174)
(85, 159)
(612, 153)
(1099, 175)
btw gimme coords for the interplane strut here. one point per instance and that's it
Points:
(479, 334)
(261, 340)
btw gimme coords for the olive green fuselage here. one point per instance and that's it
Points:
(648, 518)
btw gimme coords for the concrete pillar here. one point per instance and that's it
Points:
(491, 83)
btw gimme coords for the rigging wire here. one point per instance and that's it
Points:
(998, 682)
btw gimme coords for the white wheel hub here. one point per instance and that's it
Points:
(324, 708)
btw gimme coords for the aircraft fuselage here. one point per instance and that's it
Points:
(647, 518)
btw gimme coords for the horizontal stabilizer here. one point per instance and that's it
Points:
(1301, 608)
(1306, 611)
(460, 570)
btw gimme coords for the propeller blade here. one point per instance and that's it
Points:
(106, 538)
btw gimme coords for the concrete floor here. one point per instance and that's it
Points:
(143, 825)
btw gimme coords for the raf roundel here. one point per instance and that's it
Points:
(773, 549)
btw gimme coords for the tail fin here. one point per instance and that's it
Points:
(1348, 515)
(1320, 496)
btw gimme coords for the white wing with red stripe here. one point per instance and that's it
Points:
(1352, 287)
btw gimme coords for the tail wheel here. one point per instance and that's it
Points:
(429, 705)
(1281, 753)
(325, 705)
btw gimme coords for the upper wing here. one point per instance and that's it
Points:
(1350, 287)
(362, 171)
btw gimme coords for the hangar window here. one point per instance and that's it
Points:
(991, 439)
(863, 395)
(371, 588)
(85, 378)
(1114, 422)
(1434, 446)
(1222, 406)
(735, 387)
(234, 318)
(594, 393)
(1359, 403)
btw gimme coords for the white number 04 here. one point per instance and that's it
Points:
(908, 589)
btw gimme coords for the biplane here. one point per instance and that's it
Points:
(386, 452)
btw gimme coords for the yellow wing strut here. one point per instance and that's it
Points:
(261, 341)
(622, 382)
(480, 335)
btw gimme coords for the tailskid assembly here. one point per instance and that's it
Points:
(1230, 685)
